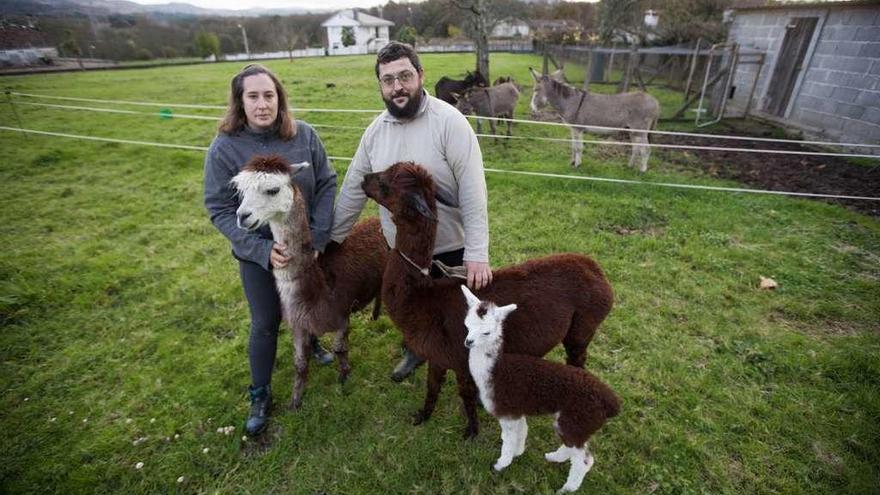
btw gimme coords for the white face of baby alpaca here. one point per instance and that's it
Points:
(483, 320)
(263, 197)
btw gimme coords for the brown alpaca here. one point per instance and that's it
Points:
(562, 298)
(318, 293)
(513, 386)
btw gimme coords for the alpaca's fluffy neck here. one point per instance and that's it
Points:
(482, 360)
(292, 229)
(416, 242)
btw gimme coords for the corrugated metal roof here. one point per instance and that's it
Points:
(793, 4)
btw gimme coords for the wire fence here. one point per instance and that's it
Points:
(710, 137)
(166, 113)
(491, 170)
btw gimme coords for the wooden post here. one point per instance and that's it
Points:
(630, 67)
(589, 65)
(544, 50)
(610, 61)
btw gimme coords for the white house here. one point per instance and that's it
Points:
(370, 33)
(510, 28)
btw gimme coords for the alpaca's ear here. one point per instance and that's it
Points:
(444, 198)
(503, 311)
(296, 168)
(535, 74)
(455, 95)
(469, 296)
(417, 202)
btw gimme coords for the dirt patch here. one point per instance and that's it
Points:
(778, 172)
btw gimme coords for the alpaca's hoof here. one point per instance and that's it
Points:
(471, 432)
(294, 405)
(343, 377)
(420, 417)
(499, 466)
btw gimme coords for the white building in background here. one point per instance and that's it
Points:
(510, 28)
(370, 32)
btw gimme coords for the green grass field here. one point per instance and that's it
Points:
(124, 327)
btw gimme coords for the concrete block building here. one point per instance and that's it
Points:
(822, 67)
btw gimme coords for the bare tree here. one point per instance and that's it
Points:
(478, 30)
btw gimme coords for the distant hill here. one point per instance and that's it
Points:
(105, 7)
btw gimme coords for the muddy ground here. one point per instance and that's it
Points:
(778, 172)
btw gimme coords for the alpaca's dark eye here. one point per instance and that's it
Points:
(273, 191)
(384, 189)
(485, 333)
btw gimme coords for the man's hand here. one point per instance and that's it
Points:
(479, 274)
(278, 257)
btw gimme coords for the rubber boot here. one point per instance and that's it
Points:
(261, 404)
(406, 366)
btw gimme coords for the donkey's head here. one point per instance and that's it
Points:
(483, 321)
(464, 102)
(539, 94)
(407, 191)
(475, 78)
(266, 189)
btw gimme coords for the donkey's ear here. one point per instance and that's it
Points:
(469, 296)
(535, 75)
(503, 311)
(444, 198)
(417, 202)
(296, 168)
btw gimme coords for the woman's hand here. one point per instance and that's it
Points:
(278, 257)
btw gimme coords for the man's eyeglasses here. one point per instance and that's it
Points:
(404, 78)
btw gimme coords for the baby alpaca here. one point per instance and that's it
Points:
(513, 386)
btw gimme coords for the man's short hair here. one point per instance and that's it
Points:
(397, 50)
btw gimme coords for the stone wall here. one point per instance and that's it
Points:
(837, 96)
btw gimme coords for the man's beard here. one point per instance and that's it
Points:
(412, 105)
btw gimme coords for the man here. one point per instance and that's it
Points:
(420, 128)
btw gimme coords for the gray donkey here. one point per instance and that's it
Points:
(636, 110)
(495, 101)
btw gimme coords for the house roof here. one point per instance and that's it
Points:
(794, 4)
(352, 17)
(554, 24)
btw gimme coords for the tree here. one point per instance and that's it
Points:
(407, 34)
(479, 30)
(70, 47)
(348, 36)
(618, 14)
(207, 44)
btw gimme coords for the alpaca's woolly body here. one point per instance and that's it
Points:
(513, 386)
(317, 294)
(563, 298)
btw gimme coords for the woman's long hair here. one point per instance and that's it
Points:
(236, 120)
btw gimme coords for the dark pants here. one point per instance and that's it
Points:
(265, 307)
(450, 258)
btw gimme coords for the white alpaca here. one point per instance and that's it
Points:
(513, 386)
(317, 293)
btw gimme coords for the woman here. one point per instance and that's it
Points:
(257, 122)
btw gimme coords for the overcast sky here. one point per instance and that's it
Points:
(245, 4)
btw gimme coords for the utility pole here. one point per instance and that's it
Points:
(244, 36)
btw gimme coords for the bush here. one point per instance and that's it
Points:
(169, 52)
(143, 54)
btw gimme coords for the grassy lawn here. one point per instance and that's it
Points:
(124, 327)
